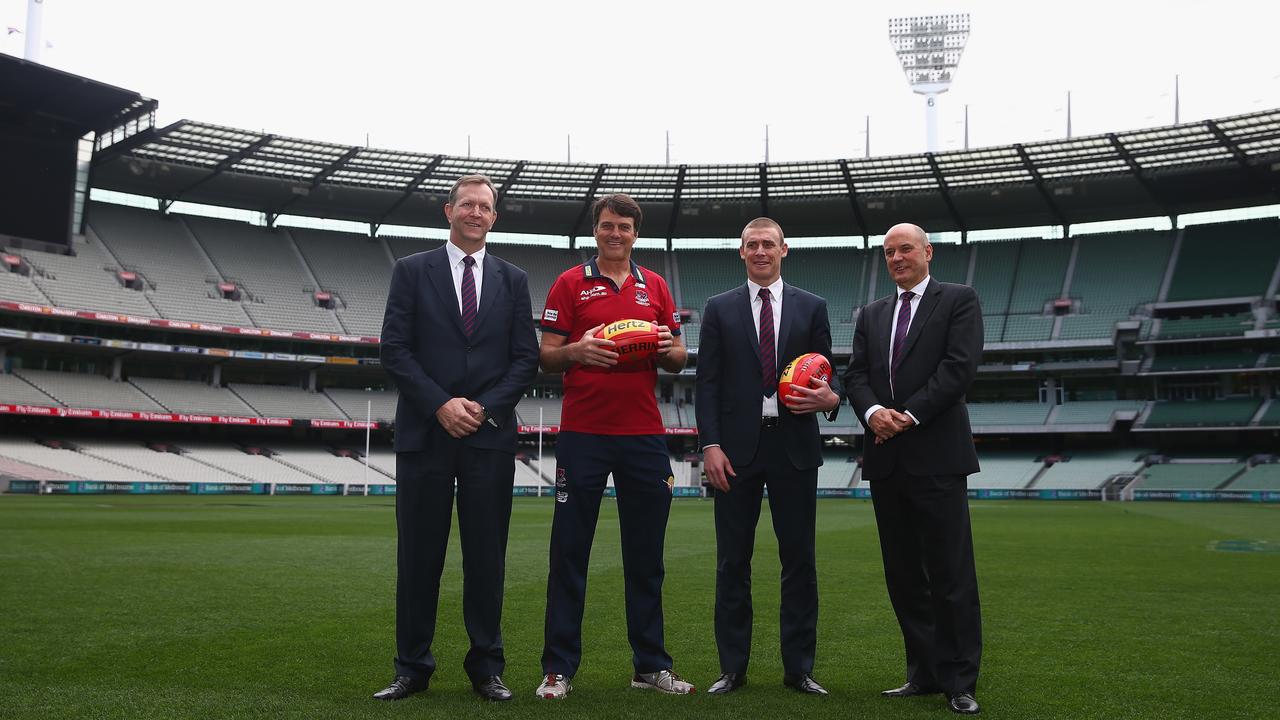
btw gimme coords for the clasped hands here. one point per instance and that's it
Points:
(460, 417)
(886, 423)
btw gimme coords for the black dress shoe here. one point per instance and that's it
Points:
(909, 690)
(727, 683)
(491, 688)
(964, 703)
(805, 683)
(402, 687)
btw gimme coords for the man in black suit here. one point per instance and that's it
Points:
(458, 341)
(751, 441)
(915, 354)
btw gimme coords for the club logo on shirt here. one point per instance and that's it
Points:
(550, 315)
(642, 297)
(675, 318)
(595, 292)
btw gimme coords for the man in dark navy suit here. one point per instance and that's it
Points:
(915, 354)
(458, 341)
(751, 441)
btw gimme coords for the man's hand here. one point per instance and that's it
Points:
(592, 351)
(811, 400)
(716, 464)
(886, 423)
(665, 340)
(460, 417)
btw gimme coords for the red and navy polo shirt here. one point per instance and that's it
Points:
(617, 400)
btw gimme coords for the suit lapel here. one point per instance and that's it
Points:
(883, 325)
(927, 305)
(743, 301)
(489, 289)
(440, 276)
(784, 325)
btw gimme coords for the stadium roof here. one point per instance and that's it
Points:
(1207, 165)
(77, 104)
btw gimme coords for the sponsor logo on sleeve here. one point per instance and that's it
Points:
(675, 318)
(550, 315)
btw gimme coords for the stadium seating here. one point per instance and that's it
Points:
(267, 266)
(993, 274)
(83, 390)
(1186, 476)
(16, 469)
(1207, 270)
(1113, 274)
(15, 390)
(356, 269)
(319, 463)
(836, 470)
(171, 466)
(20, 288)
(86, 280)
(406, 246)
(186, 396)
(1232, 325)
(1042, 267)
(71, 462)
(181, 281)
(837, 274)
(1008, 413)
(1231, 412)
(528, 411)
(704, 273)
(1206, 361)
(355, 403)
(1259, 477)
(1093, 412)
(1088, 470)
(543, 265)
(1271, 416)
(256, 468)
(1006, 471)
(287, 402)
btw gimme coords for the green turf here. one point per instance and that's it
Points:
(214, 607)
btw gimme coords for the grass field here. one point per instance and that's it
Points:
(213, 607)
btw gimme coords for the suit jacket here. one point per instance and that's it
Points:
(729, 380)
(938, 364)
(431, 360)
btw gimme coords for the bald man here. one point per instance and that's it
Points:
(915, 354)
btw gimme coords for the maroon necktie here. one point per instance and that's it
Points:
(768, 356)
(900, 334)
(468, 296)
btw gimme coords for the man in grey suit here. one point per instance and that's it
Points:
(915, 354)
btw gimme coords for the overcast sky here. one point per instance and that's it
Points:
(518, 77)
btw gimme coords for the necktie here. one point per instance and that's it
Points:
(468, 296)
(900, 333)
(768, 355)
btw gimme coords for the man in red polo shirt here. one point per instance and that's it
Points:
(610, 424)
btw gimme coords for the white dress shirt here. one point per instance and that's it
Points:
(917, 293)
(769, 405)
(456, 266)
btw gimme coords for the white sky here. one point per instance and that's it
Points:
(520, 76)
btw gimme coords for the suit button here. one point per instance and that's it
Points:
(468, 348)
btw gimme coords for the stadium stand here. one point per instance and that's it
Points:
(527, 410)
(1204, 271)
(319, 463)
(1093, 412)
(1187, 476)
(172, 466)
(837, 274)
(406, 246)
(185, 396)
(1113, 274)
(1008, 413)
(994, 267)
(287, 402)
(1264, 476)
(1271, 416)
(266, 265)
(355, 269)
(82, 390)
(181, 280)
(1230, 412)
(836, 470)
(354, 403)
(259, 468)
(1042, 267)
(1231, 325)
(1006, 471)
(1233, 360)
(13, 389)
(543, 265)
(67, 461)
(17, 470)
(85, 280)
(1088, 470)
(20, 288)
(704, 273)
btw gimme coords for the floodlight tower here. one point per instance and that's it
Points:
(929, 48)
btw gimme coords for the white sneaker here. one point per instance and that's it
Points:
(554, 687)
(662, 681)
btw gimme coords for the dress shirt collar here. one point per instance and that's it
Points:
(456, 254)
(775, 289)
(917, 291)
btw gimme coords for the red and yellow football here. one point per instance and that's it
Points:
(803, 371)
(634, 340)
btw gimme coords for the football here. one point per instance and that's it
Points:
(803, 371)
(635, 340)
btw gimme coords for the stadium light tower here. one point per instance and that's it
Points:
(929, 48)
